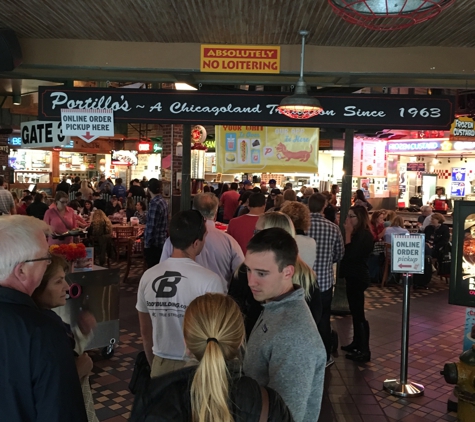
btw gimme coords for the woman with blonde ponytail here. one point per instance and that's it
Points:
(304, 276)
(215, 390)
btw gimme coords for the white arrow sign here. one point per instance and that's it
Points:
(407, 253)
(88, 124)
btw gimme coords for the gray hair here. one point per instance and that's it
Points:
(207, 204)
(18, 235)
(425, 208)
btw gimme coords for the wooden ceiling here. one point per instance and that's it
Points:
(274, 22)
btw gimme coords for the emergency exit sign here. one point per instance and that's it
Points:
(407, 253)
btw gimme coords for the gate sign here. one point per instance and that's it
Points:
(41, 134)
(88, 124)
(407, 253)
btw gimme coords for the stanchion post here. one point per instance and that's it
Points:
(403, 387)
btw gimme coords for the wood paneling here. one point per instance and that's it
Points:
(275, 22)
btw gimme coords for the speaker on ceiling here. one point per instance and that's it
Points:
(10, 51)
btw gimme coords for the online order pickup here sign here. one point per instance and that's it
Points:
(407, 253)
(87, 124)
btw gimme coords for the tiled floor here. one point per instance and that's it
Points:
(353, 392)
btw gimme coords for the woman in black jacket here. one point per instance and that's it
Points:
(214, 391)
(437, 234)
(354, 268)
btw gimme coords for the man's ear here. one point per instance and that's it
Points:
(288, 271)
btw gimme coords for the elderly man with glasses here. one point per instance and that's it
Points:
(39, 380)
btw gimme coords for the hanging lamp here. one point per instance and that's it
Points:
(300, 105)
(388, 15)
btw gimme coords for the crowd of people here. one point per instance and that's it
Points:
(235, 324)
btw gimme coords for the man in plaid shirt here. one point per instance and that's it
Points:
(330, 249)
(7, 205)
(156, 228)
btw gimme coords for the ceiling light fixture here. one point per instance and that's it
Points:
(300, 105)
(386, 15)
(16, 98)
(181, 86)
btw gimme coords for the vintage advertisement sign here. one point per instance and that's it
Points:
(41, 134)
(259, 149)
(457, 186)
(256, 108)
(462, 129)
(240, 58)
(407, 253)
(88, 124)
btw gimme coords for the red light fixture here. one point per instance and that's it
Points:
(388, 15)
(300, 105)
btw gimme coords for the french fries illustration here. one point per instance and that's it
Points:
(243, 151)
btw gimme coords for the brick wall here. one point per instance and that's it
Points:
(169, 145)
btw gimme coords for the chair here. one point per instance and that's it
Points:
(135, 249)
(121, 239)
(387, 263)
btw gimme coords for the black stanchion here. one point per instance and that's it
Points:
(403, 387)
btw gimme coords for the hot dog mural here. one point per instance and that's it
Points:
(266, 149)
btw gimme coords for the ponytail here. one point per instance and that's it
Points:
(210, 387)
(213, 328)
(304, 276)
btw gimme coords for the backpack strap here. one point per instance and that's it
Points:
(265, 405)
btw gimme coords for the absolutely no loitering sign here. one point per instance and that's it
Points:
(407, 253)
(88, 124)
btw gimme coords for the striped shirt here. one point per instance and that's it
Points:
(156, 227)
(330, 248)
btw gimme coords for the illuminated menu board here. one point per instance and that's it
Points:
(369, 158)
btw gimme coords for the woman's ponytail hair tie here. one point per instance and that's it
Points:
(212, 339)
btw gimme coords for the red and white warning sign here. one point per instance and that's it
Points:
(87, 124)
(407, 253)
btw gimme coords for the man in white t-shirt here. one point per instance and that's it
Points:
(166, 290)
(221, 253)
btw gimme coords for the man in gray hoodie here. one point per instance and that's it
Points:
(285, 350)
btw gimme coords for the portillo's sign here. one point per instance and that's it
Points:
(356, 111)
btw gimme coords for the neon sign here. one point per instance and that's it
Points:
(415, 146)
(144, 147)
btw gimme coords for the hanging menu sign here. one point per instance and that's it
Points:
(256, 108)
(416, 167)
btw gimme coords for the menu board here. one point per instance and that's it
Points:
(256, 149)
(416, 167)
(457, 187)
(369, 158)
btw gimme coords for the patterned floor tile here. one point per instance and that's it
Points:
(353, 393)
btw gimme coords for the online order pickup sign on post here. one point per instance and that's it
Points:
(407, 253)
(87, 124)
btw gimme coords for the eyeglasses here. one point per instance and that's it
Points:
(351, 215)
(63, 202)
(46, 258)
